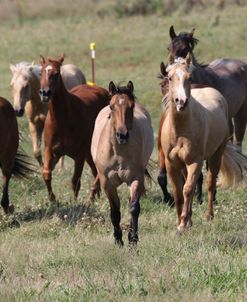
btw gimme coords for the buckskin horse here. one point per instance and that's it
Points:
(12, 161)
(229, 76)
(195, 129)
(25, 84)
(69, 123)
(121, 147)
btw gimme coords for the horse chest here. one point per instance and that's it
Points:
(119, 173)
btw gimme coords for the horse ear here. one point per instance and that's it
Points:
(172, 33)
(42, 60)
(188, 58)
(192, 32)
(130, 86)
(112, 88)
(12, 67)
(163, 69)
(61, 59)
(171, 59)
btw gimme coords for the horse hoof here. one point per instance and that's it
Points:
(180, 230)
(209, 217)
(119, 242)
(10, 209)
(189, 223)
(52, 197)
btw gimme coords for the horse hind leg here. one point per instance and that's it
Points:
(95, 189)
(36, 130)
(162, 180)
(240, 121)
(76, 179)
(213, 169)
(8, 208)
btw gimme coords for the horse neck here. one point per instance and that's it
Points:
(202, 75)
(35, 87)
(59, 105)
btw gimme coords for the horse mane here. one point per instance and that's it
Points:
(125, 90)
(24, 69)
(187, 38)
(55, 62)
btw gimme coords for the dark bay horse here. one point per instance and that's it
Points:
(121, 147)
(69, 123)
(195, 129)
(12, 161)
(229, 76)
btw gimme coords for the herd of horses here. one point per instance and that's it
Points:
(204, 119)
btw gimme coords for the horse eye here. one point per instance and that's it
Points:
(169, 78)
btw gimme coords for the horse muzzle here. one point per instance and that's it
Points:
(181, 105)
(19, 112)
(122, 138)
(45, 95)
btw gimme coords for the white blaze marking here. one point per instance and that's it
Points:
(48, 67)
(181, 91)
(121, 100)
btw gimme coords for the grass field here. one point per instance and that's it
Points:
(67, 252)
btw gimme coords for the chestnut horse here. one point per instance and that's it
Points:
(12, 162)
(69, 123)
(229, 76)
(195, 129)
(122, 144)
(25, 84)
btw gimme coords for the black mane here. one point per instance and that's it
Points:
(125, 90)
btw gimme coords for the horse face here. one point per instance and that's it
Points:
(122, 107)
(181, 44)
(49, 76)
(179, 86)
(21, 90)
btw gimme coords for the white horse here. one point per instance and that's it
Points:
(25, 84)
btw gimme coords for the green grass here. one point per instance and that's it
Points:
(66, 252)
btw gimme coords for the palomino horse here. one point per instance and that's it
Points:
(196, 128)
(122, 144)
(229, 76)
(162, 177)
(69, 123)
(26, 84)
(11, 161)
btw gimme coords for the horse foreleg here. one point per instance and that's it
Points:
(162, 180)
(177, 185)
(111, 193)
(36, 131)
(47, 173)
(193, 173)
(76, 179)
(95, 189)
(136, 189)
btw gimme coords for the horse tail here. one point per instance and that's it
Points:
(22, 165)
(233, 165)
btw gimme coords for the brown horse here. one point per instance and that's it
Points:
(196, 128)
(25, 84)
(229, 76)
(69, 123)
(121, 147)
(11, 161)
